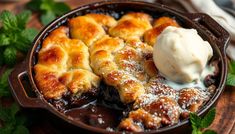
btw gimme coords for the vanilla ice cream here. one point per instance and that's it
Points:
(181, 54)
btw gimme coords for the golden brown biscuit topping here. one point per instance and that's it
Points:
(74, 60)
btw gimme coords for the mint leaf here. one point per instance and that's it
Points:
(230, 79)
(4, 86)
(231, 74)
(8, 20)
(4, 77)
(12, 123)
(14, 37)
(34, 5)
(208, 118)
(60, 8)
(23, 45)
(48, 9)
(14, 109)
(47, 5)
(30, 34)
(20, 120)
(1, 59)
(47, 18)
(196, 131)
(4, 40)
(7, 129)
(21, 130)
(4, 114)
(24, 39)
(231, 67)
(10, 55)
(195, 120)
(209, 132)
(8, 114)
(198, 123)
(23, 18)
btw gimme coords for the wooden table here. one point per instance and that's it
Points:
(47, 123)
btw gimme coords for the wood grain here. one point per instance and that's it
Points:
(225, 116)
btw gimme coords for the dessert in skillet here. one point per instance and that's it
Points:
(147, 69)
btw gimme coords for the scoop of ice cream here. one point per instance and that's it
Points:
(181, 54)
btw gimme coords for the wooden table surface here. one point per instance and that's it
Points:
(48, 124)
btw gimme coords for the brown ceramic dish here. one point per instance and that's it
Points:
(205, 25)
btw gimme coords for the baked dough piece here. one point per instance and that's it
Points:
(131, 25)
(146, 53)
(139, 120)
(90, 27)
(86, 29)
(157, 87)
(63, 65)
(111, 59)
(80, 81)
(104, 20)
(159, 25)
(166, 108)
(191, 99)
(160, 111)
(102, 54)
(48, 83)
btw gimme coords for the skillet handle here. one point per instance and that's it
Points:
(18, 90)
(214, 30)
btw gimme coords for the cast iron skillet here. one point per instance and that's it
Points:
(208, 29)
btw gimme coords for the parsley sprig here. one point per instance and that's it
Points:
(199, 124)
(14, 37)
(48, 9)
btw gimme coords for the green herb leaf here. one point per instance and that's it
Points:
(199, 123)
(47, 5)
(60, 8)
(47, 18)
(12, 121)
(10, 55)
(1, 58)
(20, 120)
(231, 67)
(48, 9)
(4, 86)
(195, 120)
(196, 131)
(24, 39)
(21, 130)
(7, 129)
(8, 20)
(30, 33)
(231, 74)
(13, 36)
(209, 132)
(14, 109)
(23, 18)
(4, 40)
(34, 5)
(8, 114)
(208, 118)
(230, 79)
